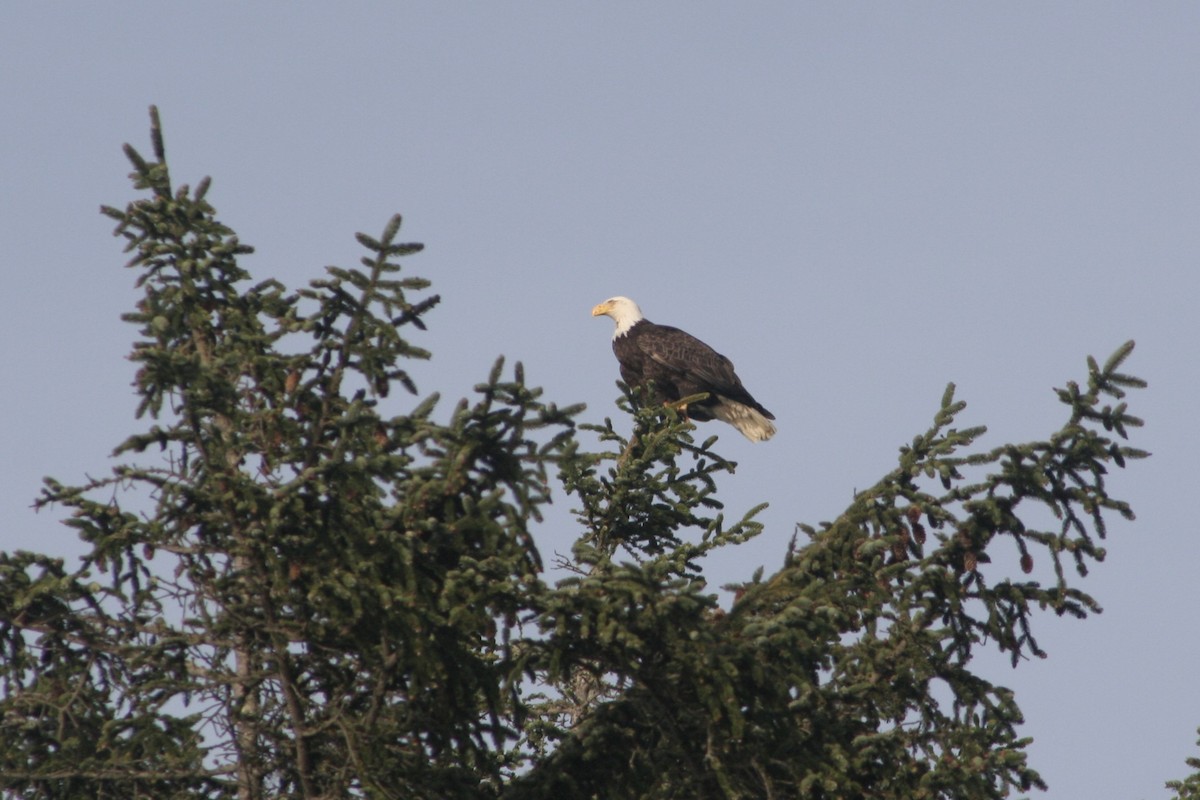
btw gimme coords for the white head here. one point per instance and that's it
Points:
(623, 311)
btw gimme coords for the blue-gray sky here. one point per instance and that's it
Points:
(857, 203)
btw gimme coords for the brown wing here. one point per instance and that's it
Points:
(693, 365)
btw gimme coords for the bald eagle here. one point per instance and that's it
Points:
(680, 365)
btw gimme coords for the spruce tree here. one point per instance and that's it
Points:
(321, 599)
(300, 583)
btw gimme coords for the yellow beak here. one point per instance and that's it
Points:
(600, 309)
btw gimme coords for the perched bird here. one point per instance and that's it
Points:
(679, 365)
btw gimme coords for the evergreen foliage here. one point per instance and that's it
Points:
(321, 599)
(1189, 787)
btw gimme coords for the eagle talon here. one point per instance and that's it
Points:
(680, 408)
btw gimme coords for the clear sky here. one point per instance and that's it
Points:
(857, 203)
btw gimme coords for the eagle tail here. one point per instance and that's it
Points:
(753, 425)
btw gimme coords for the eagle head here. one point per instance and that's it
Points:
(623, 311)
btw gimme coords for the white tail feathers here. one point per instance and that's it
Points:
(753, 425)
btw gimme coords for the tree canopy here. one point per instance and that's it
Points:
(292, 590)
